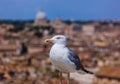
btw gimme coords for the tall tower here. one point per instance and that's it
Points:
(40, 19)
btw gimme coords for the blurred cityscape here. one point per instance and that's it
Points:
(24, 58)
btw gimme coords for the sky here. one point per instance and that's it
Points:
(64, 9)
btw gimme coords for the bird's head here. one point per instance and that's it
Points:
(58, 39)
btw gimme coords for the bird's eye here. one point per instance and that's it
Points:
(58, 38)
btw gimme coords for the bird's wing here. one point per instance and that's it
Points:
(73, 57)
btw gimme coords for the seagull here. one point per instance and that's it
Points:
(63, 58)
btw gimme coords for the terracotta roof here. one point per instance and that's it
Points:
(84, 57)
(8, 47)
(111, 72)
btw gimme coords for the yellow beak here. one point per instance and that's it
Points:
(48, 41)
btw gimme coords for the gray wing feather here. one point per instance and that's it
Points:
(75, 59)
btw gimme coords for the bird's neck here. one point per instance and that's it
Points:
(59, 45)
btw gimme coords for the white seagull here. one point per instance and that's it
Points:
(63, 58)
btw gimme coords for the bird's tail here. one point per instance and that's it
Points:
(85, 70)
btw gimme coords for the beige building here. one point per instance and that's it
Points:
(88, 29)
(59, 26)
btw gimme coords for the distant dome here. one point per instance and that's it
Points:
(41, 15)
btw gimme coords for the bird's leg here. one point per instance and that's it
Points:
(60, 77)
(68, 78)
